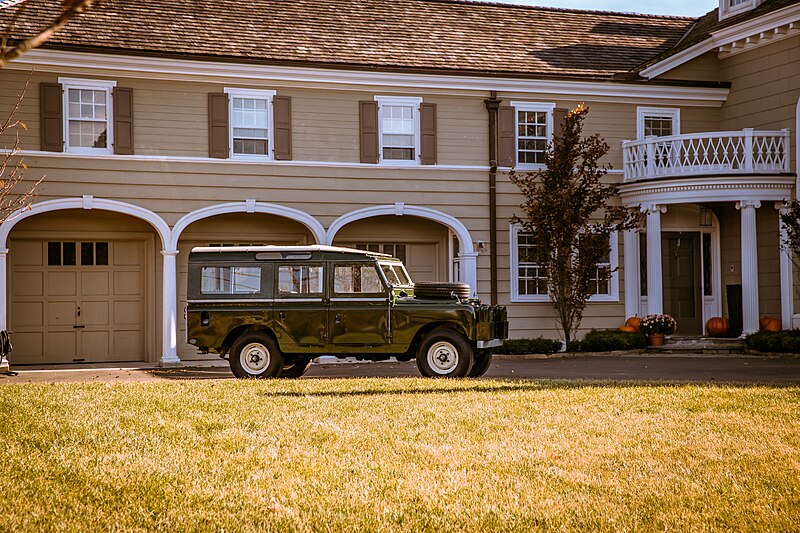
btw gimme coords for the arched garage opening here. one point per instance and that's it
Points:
(81, 281)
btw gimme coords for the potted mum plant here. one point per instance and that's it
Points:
(656, 326)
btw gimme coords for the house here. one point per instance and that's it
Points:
(391, 126)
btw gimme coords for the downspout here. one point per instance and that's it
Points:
(492, 104)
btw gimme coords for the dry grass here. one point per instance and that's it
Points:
(399, 455)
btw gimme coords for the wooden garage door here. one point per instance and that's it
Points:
(77, 301)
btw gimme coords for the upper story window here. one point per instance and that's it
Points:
(657, 121)
(398, 129)
(534, 129)
(251, 130)
(729, 8)
(529, 279)
(88, 123)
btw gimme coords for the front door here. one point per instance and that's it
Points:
(359, 307)
(680, 254)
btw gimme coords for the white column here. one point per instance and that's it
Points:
(787, 292)
(655, 285)
(749, 265)
(630, 245)
(469, 270)
(169, 356)
(4, 367)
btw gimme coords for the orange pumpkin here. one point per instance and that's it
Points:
(633, 322)
(769, 324)
(718, 326)
(629, 329)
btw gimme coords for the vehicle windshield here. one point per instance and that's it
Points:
(396, 274)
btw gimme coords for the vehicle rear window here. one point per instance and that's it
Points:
(231, 280)
(294, 280)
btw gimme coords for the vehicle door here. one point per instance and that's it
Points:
(299, 308)
(359, 309)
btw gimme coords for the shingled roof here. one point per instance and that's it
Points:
(422, 35)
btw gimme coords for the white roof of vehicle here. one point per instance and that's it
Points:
(296, 249)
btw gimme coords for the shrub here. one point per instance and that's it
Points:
(607, 340)
(787, 341)
(526, 346)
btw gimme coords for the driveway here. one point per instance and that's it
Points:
(728, 369)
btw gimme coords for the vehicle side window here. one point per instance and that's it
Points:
(299, 280)
(231, 280)
(356, 279)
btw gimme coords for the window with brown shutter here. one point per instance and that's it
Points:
(52, 117)
(427, 123)
(218, 132)
(368, 134)
(506, 141)
(282, 111)
(123, 120)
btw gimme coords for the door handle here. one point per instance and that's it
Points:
(338, 318)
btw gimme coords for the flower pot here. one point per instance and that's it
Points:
(656, 339)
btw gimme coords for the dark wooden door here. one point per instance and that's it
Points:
(682, 277)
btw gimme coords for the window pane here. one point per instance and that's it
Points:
(658, 126)
(231, 280)
(70, 250)
(404, 154)
(54, 253)
(299, 280)
(101, 253)
(87, 253)
(356, 279)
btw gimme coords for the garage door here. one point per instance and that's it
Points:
(77, 301)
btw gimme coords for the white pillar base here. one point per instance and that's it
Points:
(5, 368)
(170, 360)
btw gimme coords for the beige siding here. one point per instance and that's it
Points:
(703, 68)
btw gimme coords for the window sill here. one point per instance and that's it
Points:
(399, 163)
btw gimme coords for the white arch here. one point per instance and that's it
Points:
(400, 209)
(248, 206)
(86, 203)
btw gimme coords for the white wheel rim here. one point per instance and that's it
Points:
(442, 357)
(254, 358)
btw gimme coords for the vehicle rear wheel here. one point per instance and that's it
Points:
(256, 355)
(294, 368)
(444, 354)
(483, 360)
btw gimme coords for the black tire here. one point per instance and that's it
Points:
(441, 290)
(444, 353)
(294, 368)
(256, 356)
(483, 360)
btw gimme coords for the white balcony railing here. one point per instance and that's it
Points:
(697, 154)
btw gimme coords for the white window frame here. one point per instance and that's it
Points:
(516, 297)
(92, 85)
(412, 101)
(263, 94)
(657, 112)
(727, 10)
(546, 107)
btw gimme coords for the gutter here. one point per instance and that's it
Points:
(492, 105)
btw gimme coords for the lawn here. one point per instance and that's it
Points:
(399, 455)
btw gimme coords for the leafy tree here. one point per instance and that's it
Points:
(568, 211)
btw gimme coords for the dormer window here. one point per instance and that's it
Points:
(729, 8)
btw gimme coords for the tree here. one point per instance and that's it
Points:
(568, 213)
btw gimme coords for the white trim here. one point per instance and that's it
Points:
(707, 189)
(726, 37)
(545, 107)
(216, 72)
(313, 225)
(260, 94)
(726, 10)
(406, 101)
(516, 297)
(658, 112)
(106, 86)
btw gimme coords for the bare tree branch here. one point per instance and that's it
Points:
(72, 8)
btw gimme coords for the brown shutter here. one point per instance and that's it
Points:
(559, 114)
(282, 111)
(52, 117)
(427, 124)
(218, 132)
(368, 123)
(507, 124)
(123, 120)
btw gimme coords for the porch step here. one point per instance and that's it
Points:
(702, 345)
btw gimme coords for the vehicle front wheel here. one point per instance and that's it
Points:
(444, 354)
(483, 360)
(294, 368)
(256, 355)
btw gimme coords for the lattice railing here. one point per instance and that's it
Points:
(729, 152)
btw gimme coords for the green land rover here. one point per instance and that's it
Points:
(272, 309)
